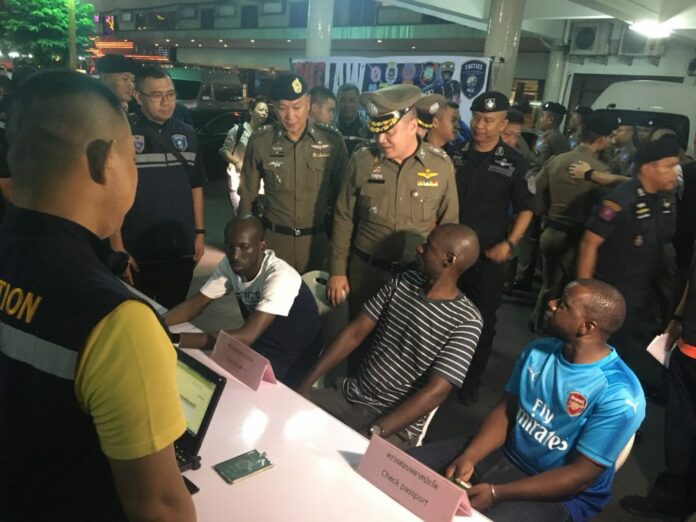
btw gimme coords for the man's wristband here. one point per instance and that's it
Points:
(510, 243)
(493, 496)
(588, 174)
(200, 231)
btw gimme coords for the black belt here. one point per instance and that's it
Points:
(563, 227)
(391, 266)
(293, 231)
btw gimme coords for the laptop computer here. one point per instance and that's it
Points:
(199, 390)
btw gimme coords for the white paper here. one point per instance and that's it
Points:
(660, 351)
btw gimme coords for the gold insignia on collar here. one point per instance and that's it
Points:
(427, 174)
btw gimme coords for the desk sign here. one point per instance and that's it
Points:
(242, 362)
(422, 491)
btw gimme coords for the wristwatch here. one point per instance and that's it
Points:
(376, 429)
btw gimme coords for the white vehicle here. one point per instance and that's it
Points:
(654, 103)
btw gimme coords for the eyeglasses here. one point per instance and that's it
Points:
(158, 96)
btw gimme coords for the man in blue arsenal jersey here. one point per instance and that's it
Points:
(548, 450)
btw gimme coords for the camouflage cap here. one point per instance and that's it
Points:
(387, 106)
(490, 101)
(288, 86)
(427, 107)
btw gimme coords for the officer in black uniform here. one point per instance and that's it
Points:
(624, 239)
(490, 176)
(163, 233)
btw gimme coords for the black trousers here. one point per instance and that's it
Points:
(674, 490)
(483, 284)
(496, 468)
(167, 282)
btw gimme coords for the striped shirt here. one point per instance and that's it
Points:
(415, 337)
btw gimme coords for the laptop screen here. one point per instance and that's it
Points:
(195, 392)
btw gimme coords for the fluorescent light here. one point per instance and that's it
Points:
(379, 41)
(220, 40)
(252, 41)
(652, 29)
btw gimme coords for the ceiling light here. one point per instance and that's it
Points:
(156, 45)
(167, 40)
(192, 40)
(289, 41)
(200, 45)
(652, 29)
(379, 41)
(176, 45)
(413, 47)
(252, 41)
(220, 40)
(225, 45)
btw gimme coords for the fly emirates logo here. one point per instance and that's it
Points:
(538, 426)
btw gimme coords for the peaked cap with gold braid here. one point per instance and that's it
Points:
(387, 106)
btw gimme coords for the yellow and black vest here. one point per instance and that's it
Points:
(54, 290)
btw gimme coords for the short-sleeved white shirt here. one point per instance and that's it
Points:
(272, 291)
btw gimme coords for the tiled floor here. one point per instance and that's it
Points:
(453, 419)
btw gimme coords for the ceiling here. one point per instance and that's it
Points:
(547, 18)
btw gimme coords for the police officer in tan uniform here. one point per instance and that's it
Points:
(568, 203)
(552, 141)
(396, 190)
(302, 164)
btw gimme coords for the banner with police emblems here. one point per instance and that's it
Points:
(459, 79)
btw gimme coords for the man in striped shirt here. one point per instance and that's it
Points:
(425, 334)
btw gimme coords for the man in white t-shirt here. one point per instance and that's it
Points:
(280, 314)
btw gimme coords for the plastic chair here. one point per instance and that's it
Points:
(623, 456)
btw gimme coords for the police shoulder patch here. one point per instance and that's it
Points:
(608, 210)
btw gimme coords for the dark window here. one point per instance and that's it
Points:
(298, 14)
(187, 89)
(227, 92)
(162, 20)
(208, 18)
(250, 16)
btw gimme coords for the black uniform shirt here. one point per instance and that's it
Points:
(488, 183)
(160, 226)
(635, 226)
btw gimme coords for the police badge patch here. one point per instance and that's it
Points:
(138, 143)
(473, 78)
(180, 142)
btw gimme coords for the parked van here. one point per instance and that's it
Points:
(654, 104)
(204, 89)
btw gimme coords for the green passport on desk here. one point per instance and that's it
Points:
(243, 466)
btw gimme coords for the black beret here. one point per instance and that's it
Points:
(665, 147)
(583, 110)
(288, 86)
(490, 101)
(115, 63)
(554, 107)
(603, 122)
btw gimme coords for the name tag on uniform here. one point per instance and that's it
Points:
(505, 171)
(320, 154)
(426, 183)
(375, 180)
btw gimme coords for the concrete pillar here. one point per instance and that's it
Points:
(503, 40)
(319, 22)
(554, 74)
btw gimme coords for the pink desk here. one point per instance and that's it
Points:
(314, 456)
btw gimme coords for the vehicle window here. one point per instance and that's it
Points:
(223, 123)
(187, 89)
(225, 92)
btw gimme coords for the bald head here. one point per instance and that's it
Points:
(247, 224)
(461, 241)
(604, 305)
(61, 122)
